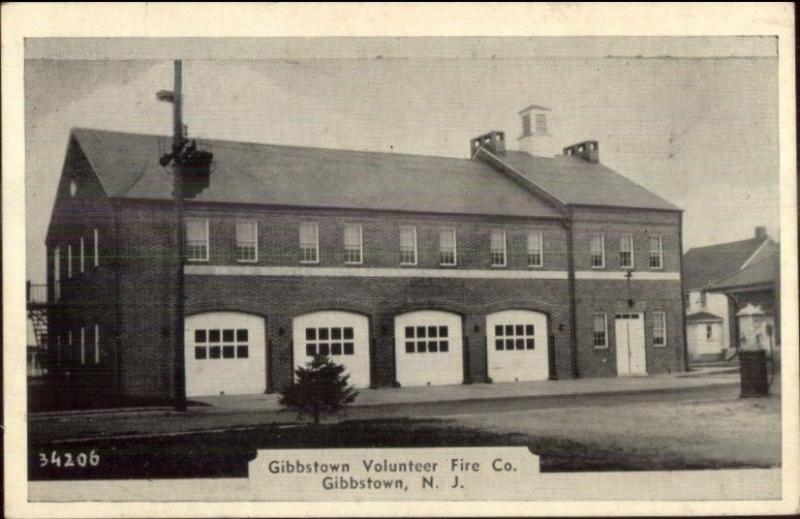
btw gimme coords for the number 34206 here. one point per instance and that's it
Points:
(67, 459)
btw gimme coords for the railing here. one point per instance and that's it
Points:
(36, 294)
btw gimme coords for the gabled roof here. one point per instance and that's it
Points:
(702, 317)
(127, 166)
(703, 267)
(756, 275)
(574, 181)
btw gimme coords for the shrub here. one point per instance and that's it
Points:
(320, 389)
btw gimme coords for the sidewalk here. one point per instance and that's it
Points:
(228, 412)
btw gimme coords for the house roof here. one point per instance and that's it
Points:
(705, 266)
(575, 181)
(127, 167)
(702, 317)
(756, 274)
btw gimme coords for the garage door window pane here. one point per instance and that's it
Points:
(520, 344)
(421, 347)
(444, 346)
(228, 352)
(348, 348)
(311, 350)
(529, 329)
(336, 348)
(443, 331)
(433, 346)
(432, 331)
(324, 349)
(498, 330)
(199, 336)
(336, 333)
(213, 336)
(409, 347)
(311, 334)
(420, 331)
(242, 352)
(514, 337)
(323, 334)
(200, 352)
(348, 333)
(214, 352)
(241, 335)
(409, 332)
(530, 344)
(498, 344)
(227, 335)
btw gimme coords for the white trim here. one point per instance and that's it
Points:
(97, 343)
(96, 248)
(622, 275)
(255, 244)
(261, 270)
(633, 260)
(602, 251)
(360, 243)
(413, 228)
(83, 256)
(505, 249)
(69, 261)
(316, 242)
(755, 253)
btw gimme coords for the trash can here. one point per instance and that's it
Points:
(753, 372)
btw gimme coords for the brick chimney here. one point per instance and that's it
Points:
(587, 150)
(493, 142)
(761, 232)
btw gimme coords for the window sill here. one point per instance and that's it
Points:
(600, 347)
(599, 268)
(535, 266)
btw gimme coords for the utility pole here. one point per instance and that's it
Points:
(177, 193)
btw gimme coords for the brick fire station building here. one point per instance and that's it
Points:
(409, 270)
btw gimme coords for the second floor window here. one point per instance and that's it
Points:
(247, 241)
(447, 247)
(535, 258)
(353, 244)
(498, 248)
(197, 239)
(597, 251)
(656, 253)
(408, 245)
(309, 243)
(626, 251)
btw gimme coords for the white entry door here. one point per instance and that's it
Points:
(342, 336)
(517, 346)
(225, 354)
(629, 330)
(428, 348)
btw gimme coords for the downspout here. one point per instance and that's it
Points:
(683, 295)
(572, 303)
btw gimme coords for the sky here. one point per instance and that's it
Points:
(700, 132)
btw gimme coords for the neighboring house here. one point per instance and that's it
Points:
(710, 326)
(409, 270)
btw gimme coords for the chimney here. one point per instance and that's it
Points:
(761, 232)
(493, 142)
(537, 132)
(587, 150)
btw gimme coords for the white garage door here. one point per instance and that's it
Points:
(517, 346)
(343, 336)
(428, 348)
(225, 354)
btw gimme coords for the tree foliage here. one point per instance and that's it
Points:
(320, 389)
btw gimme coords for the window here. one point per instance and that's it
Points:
(221, 344)
(426, 339)
(659, 329)
(197, 239)
(600, 331)
(83, 345)
(247, 241)
(83, 256)
(541, 123)
(408, 245)
(703, 298)
(508, 337)
(526, 125)
(309, 243)
(447, 247)
(498, 248)
(709, 332)
(69, 261)
(57, 273)
(535, 256)
(656, 253)
(97, 344)
(96, 249)
(353, 244)
(327, 341)
(597, 253)
(626, 251)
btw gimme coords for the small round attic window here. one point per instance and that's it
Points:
(73, 187)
